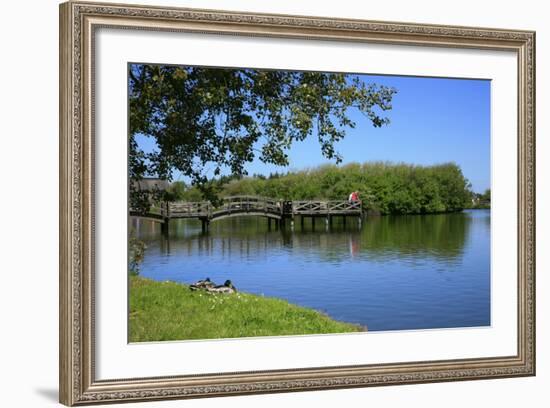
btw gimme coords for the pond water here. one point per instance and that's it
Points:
(391, 273)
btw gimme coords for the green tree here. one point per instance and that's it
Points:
(205, 120)
(384, 187)
(177, 190)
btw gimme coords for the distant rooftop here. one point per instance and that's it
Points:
(151, 184)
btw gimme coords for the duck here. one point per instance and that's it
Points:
(202, 284)
(227, 287)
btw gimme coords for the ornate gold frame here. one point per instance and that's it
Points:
(78, 22)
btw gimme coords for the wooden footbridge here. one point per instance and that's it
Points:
(278, 211)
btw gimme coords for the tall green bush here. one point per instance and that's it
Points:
(387, 187)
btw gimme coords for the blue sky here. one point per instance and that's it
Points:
(433, 120)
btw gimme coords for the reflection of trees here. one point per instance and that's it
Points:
(441, 235)
(435, 236)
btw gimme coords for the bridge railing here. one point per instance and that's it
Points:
(325, 207)
(249, 204)
(309, 207)
(244, 204)
(335, 207)
(188, 209)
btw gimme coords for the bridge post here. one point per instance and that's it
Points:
(164, 226)
(302, 221)
(165, 243)
(204, 224)
(313, 223)
(268, 223)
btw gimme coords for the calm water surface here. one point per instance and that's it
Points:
(393, 273)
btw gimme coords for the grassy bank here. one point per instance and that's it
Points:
(171, 311)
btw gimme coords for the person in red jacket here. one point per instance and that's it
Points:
(354, 197)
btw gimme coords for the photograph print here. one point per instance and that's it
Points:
(283, 203)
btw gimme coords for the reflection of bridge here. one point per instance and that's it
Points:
(272, 209)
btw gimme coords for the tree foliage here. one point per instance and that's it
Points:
(384, 187)
(136, 253)
(206, 121)
(481, 200)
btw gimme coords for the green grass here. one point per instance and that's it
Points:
(171, 311)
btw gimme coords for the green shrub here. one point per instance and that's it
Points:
(386, 187)
(136, 252)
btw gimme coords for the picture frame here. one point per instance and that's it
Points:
(79, 24)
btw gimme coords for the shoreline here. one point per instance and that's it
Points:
(162, 311)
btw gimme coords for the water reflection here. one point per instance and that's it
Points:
(395, 272)
(441, 236)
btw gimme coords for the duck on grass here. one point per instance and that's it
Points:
(161, 311)
(211, 287)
